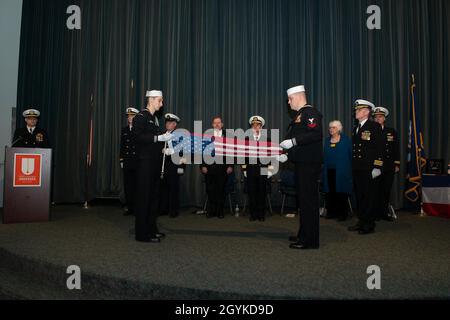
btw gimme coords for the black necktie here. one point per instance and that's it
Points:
(359, 128)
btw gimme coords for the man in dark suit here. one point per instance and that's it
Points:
(31, 136)
(149, 144)
(253, 171)
(304, 143)
(128, 160)
(367, 164)
(170, 184)
(391, 163)
(216, 175)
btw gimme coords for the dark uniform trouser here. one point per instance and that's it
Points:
(148, 197)
(170, 193)
(385, 187)
(307, 186)
(215, 188)
(336, 202)
(257, 193)
(366, 190)
(129, 182)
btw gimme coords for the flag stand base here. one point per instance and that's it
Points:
(422, 213)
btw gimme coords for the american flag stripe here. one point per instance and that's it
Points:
(247, 147)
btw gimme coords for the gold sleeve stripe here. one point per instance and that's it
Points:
(378, 163)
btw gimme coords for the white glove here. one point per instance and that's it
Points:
(180, 171)
(376, 173)
(287, 144)
(269, 174)
(168, 151)
(121, 165)
(166, 137)
(282, 158)
(245, 174)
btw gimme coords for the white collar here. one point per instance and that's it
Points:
(31, 128)
(362, 123)
(217, 133)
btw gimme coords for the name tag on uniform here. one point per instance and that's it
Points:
(365, 135)
(333, 145)
(390, 138)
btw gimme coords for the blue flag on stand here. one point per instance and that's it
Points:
(416, 155)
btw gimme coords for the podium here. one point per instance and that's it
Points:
(27, 185)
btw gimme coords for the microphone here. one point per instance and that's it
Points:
(15, 141)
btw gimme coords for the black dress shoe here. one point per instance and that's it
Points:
(356, 227)
(221, 216)
(366, 231)
(293, 239)
(149, 240)
(160, 235)
(299, 246)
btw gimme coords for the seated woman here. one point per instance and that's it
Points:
(337, 172)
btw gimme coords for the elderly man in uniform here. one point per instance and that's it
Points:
(31, 136)
(128, 160)
(304, 143)
(149, 144)
(367, 165)
(391, 162)
(252, 169)
(216, 175)
(170, 184)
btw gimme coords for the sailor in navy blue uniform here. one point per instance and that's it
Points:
(31, 136)
(149, 144)
(128, 160)
(174, 166)
(304, 143)
(367, 165)
(391, 163)
(256, 172)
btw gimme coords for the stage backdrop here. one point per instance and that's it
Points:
(229, 57)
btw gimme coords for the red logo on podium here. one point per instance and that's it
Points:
(27, 170)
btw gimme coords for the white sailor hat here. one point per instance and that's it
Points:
(31, 113)
(360, 104)
(296, 89)
(381, 111)
(171, 117)
(154, 93)
(132, 111)
(257, 119)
